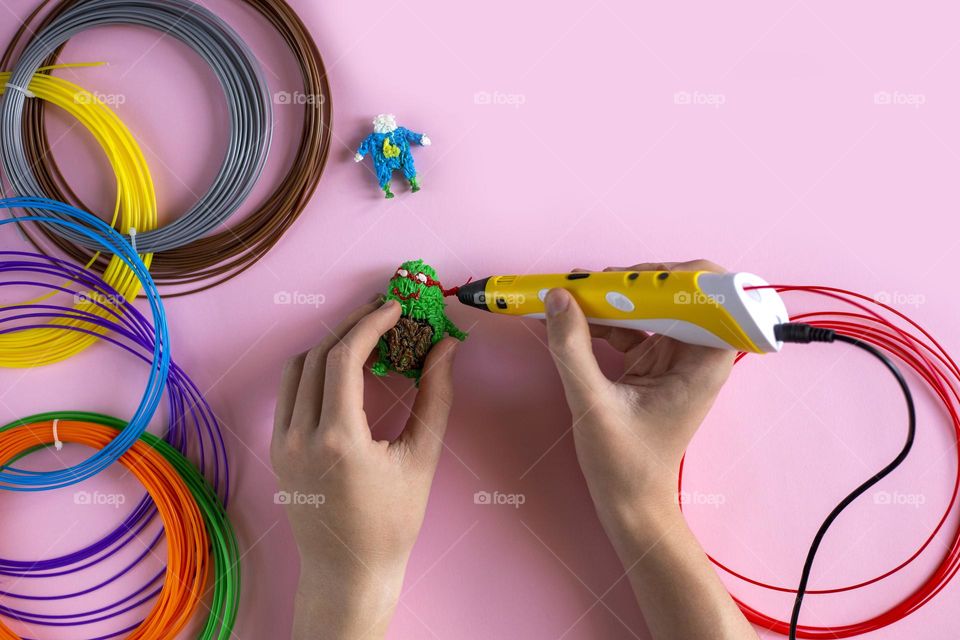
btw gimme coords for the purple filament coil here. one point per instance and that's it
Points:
(192, 428)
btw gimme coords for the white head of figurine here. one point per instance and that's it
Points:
(384, 123)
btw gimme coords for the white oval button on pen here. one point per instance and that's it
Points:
(619, 301)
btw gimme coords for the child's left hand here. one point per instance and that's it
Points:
(355, 504)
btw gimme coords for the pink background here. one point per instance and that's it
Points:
(782, 164)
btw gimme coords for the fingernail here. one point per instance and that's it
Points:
(557, 302)
(389, 304)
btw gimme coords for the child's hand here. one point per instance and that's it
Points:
(356, 504)
(631, 433)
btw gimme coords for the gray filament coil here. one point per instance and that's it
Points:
(248, 101)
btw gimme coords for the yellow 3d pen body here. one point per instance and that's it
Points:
(723, 310)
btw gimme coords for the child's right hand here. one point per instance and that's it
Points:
(631, 433)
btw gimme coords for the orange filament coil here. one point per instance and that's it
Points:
(188, 545)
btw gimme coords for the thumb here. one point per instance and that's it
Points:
(568, 335)
(428, 420)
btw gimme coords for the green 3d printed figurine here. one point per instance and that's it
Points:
(422, 324)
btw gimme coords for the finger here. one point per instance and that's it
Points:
(543, 321)
(309, 396)
(428, 419)
(617, 337)
(690, 265)
(646, 266)
(570, 345)
(343, 382)
(710, 366)
(699, 265)
(287, 396)
(650, 358)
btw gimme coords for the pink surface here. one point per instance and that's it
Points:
(749, 132)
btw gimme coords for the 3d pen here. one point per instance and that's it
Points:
(723, 310)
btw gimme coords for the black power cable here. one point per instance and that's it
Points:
(805, 333)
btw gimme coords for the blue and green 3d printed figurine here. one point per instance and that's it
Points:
(390, 147)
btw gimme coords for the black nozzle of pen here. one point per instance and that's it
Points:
(473, 294)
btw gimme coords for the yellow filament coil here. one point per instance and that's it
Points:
(135, 208)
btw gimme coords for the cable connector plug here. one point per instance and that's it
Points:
(802, 333)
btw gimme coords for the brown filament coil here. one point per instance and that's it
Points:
(211, 260)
